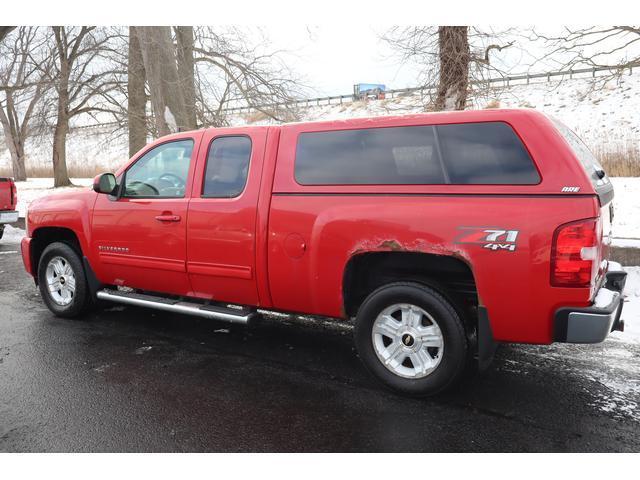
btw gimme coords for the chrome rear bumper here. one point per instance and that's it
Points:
(8, 217)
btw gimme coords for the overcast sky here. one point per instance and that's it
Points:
(333, 58)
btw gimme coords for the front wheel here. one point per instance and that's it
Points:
(411, 339)
(62, 281)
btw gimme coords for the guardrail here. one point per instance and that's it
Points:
(506, 81)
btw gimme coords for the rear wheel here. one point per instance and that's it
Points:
(62, 281)
(411, 339)
(1, 230)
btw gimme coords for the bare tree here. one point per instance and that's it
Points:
(22, 85)
(186, 72)
(81, 74)
(453, 48)
(451, 59)
(193, 74)
(136, 95)
(161, 68)
(614, 47)
(234, 69)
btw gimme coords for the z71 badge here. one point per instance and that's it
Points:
(491, 238)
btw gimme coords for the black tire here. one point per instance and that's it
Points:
(81, 299)
(455, 353)
(1, 230)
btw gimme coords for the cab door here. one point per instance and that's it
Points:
(221, 238)
(140, 237)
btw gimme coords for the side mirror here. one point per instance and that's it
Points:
(105, 183)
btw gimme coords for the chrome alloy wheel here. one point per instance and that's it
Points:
(407, 340)
(61, 281)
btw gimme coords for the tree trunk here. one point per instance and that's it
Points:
(16, 151)
(137, 100)
(455, 57)
(162, 75)
(186, 73)
(15, 146)
(17, 164)
(60, 174)
(4, 31)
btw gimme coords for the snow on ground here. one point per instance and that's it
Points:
(39, 187)
(598, 115)
(625, 243)
(631, 309)
(626, 220)
(12, 235)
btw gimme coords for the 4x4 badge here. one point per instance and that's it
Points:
(491, 238)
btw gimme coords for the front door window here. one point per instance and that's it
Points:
(161, 172)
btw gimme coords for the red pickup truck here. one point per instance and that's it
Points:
(8, 203)
(441, 234)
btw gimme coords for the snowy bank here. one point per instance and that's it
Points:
(40, 187)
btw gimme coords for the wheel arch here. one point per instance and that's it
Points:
(42, 237)
(449, 275)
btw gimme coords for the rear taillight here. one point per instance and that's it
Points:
(14, 194)
(575, 254)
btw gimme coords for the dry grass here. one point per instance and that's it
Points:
(619, 159)
(282, 115)
(85, 171)
(255, 117)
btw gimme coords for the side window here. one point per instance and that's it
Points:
(161, 172)
(392, 155)
(227, 167)
(464, 154)
(485, 153)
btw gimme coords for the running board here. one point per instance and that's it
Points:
(177, 306)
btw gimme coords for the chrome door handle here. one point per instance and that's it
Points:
(168, 218)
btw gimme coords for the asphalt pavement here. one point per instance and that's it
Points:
(128, 379)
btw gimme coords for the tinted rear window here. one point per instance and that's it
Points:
(397, 155)
(475, 153)
(485, 153)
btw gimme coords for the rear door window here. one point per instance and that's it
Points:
(227, 167)
(472, 153)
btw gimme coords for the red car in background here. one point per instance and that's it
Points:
(8, 203)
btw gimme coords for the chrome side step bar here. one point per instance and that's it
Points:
(177, 306)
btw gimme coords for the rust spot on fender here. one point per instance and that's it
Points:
(418, 245)
(392, 245)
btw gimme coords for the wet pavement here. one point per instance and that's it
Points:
(128, 379)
